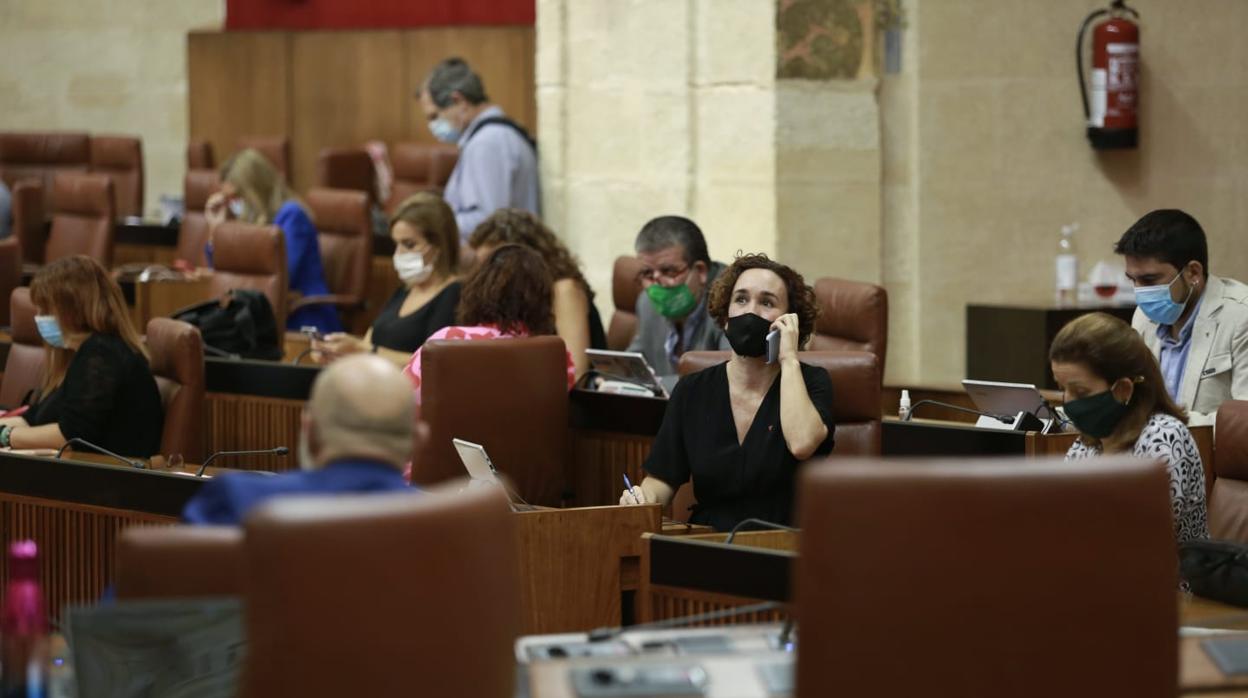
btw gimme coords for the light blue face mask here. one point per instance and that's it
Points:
(443, 130)
(50, 330)
(1156, 303)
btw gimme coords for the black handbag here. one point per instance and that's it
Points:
(1216, 569)
(244, 326)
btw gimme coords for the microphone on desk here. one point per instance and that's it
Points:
(100, 449)
(603, 634)
(1024, 421)
(278, 451)
(756, 522)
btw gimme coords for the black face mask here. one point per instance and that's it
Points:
(748, 334)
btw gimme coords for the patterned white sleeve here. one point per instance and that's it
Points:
(1168, 439)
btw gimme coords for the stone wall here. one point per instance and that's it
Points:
(104, 66)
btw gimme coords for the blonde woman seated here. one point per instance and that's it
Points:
(426, 256)
(254, 192)
(1115, 396)
(97, 384)
(576, 318)
(740, 430)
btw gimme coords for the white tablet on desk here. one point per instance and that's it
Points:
(476, 461)
(1005, 398)
(625, 372)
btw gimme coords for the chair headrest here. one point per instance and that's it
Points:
(82, 194)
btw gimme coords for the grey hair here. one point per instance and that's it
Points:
(671, 231)
(453, 75)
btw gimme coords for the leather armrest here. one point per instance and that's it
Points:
(345, 302)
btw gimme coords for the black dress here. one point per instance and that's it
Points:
(407, 333)
(597, 335)
(733, 481)
(108, 397)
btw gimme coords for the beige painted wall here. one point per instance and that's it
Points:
(985, 157)
(104, 66)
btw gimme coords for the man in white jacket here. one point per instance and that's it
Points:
(1195, 323)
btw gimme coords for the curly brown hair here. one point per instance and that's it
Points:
(509, 289)
(801, 296)
(515, 226)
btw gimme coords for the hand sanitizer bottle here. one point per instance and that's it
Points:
(1067, 268)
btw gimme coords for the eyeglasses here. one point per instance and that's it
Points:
(669, 273)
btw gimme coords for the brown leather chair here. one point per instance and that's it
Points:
(347, 168)
(509, 395)
(856, 408)
(625, 289)
(382, 595)
(23, 370)
(344, 231)
(254, 257)
(275, 149)
(197, 186)
(179, 562)
(40, 156)
(10, 274)
(120, 158)
(199, 156)
(419, 167)
(855, 379)
(177, 351)
(1007, 577)
(82, 218)
(853, 316)
(29, 219)
(1228, 502)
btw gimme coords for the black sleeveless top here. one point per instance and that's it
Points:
(406, 334)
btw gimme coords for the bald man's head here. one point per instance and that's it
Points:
(361, 407)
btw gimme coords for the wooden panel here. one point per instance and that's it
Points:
(574, 562)
(347, 88)
(503, 57)
(76, 545)
(142, 254)
(242, 422)
(239, 85)
(599, 461)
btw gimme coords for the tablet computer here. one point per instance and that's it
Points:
(628, 368)
(475, 460)
(1004, 398)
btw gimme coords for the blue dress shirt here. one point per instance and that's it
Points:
(497, 168)
(1173, 358)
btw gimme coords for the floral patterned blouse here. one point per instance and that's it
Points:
(1168, 438)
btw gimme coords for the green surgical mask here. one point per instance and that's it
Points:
(672, 302)
(1096, 415)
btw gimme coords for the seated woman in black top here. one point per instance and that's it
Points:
(97, 384)
(740, 429)
(576, 318)
(426, 257)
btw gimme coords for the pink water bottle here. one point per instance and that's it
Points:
(23, 626)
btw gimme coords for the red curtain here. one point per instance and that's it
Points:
(374, 14)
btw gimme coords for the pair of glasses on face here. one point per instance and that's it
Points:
(661, 274)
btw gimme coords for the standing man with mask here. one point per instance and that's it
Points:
(671, 310)
(497, 165)
(1195, 323)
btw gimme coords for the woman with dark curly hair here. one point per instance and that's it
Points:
(576, 319)
(507, 296)
(740, 429)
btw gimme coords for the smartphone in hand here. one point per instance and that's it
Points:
(773, 346)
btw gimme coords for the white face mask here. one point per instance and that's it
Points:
(237, 208)
(411, 267)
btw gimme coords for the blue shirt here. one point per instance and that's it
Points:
(303, 265)
(6, 210)
(1173, 358)
(226, 499)
(497, 168)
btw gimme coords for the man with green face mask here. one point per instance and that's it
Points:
(671, 311)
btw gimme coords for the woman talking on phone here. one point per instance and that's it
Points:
(740, 429)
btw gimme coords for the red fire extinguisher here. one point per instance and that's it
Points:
(1112, 106)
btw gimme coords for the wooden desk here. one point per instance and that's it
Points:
(611, 436)
(576, 564)
(164, 297)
